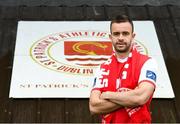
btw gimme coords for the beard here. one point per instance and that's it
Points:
(122, 47)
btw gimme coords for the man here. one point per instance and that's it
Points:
(124, 85)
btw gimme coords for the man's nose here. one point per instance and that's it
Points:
(120, 37)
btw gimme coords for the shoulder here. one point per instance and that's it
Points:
(151, 63)
(149, 71)
(108, 61)
(150, 67)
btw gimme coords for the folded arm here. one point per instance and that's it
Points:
(132, 98)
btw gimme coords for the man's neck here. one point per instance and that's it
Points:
(122, 55)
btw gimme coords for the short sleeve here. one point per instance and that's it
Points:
(99, 81)
(149, 72)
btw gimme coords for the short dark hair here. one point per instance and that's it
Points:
(121, 18)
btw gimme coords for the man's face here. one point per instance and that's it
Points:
(122, 36)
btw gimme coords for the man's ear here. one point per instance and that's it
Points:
(110, 36)
(133, 35)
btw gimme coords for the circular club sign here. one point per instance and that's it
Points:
(75, 52)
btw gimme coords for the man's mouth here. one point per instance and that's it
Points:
(120, 44)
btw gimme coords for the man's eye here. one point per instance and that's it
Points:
(116, 33)
(125, 33)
